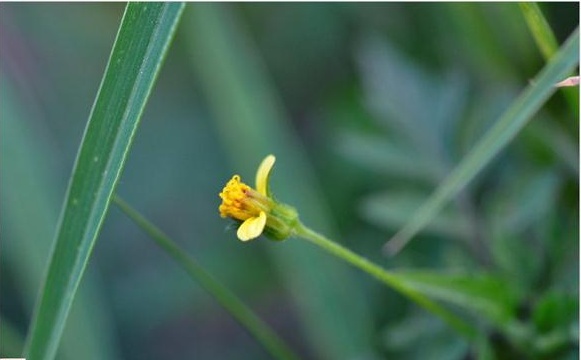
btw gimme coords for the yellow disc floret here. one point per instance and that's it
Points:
(255, 209)
(234, 197)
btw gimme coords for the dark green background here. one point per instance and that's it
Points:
(382, 99)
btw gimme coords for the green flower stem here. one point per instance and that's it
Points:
(392, 280)
(246, 317)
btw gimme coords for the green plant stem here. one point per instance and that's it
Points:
(540, 29)
(390, 279)
(547, 43)
(246, 317)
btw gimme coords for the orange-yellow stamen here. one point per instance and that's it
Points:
(240, 201)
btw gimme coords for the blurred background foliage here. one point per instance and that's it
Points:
(367, 107)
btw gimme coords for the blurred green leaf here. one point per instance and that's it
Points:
(493, 141)
(391, 210)
(252, 124)
(421, 113)
(527, 199)
(388, 158)
(145, 33)
(418, 110)
(556, 318)
(483, 295)
(546, 42)
(540, 29)
(470, 24)
(558, 142)
(556, 309)
(521, 205)
(403, 338)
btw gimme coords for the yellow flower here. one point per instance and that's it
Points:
(255, 209)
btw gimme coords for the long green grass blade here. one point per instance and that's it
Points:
(507, 127)
(540, 29)
(244, 315)
(143, 38)
(547, 43)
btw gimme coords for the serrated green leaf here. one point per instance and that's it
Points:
(419, 110)
(526, 200)
(507, 127)
(388, 157)
(144, 35)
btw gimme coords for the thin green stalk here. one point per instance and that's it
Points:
(492, 142)
(246, 317)
(540, 29)
(390, 279)
(546, 42)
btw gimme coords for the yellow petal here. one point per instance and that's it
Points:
(263, 173)
(252, 227)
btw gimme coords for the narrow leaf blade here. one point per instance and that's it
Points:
(230, 302)
(540, 29)
(506, 128)
(145, 33)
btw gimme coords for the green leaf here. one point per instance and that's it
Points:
(555, 309)
(502, 132)
(547, 44)
(540, 29)
(419, 110)
(556, 319)
(438, 341)
(391, 209)
(388, 157)
(145, 33)
(484, 295)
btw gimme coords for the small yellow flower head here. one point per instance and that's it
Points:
(255, 209)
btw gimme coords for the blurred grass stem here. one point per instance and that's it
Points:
(547, 43)
(492, 142)
(246, 317)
